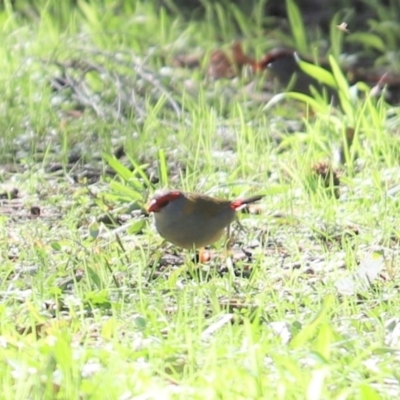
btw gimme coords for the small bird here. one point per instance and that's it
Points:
(283, 64)
(192, 220)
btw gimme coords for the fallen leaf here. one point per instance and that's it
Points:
(225, 64)
(367, 272)
(343, 27)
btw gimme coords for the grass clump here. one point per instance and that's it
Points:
(96, 114)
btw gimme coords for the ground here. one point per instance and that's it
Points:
(101, 105)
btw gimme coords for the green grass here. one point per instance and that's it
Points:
(90, 310)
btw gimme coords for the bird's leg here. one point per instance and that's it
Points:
(229, 240)
(228, 259)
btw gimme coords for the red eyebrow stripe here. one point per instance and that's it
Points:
(169, 196)
(163, 199)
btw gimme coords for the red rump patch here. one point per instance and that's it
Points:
(236, 204)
